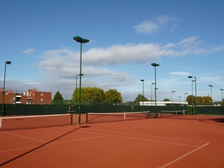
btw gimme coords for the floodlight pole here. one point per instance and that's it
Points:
(211, 91)
(192, 87)
(3, 91)
(151, 92)
(155, 65)
(142, 80)
(76, 87)
(185, 96)
(172, 96)
(80, 40)
(222, 95)
(195, 111)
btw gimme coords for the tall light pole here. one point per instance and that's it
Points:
(192, 87)
(222, 95)
(3, 92)
(151, 92)
(142, 80)
(81, 41)
(195, 80)
(76, 86)
(172, 96)
(185, 96)
(211, 91)
(155, 65)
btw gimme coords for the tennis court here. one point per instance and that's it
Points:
(177, 141)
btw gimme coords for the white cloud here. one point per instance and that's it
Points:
(65, 62)
(146, 27)
(107, 67)
(163, 19)
(28, 51)
(219, 48)
(161, 22)
(180, 73)
(191, 42)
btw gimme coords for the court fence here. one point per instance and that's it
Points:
(15, 109)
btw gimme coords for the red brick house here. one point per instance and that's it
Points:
(32, 96)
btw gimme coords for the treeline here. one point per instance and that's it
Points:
(95, 95)
(90, 95)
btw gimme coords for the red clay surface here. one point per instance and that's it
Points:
(191, 141)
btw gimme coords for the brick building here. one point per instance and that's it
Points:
(32, 96)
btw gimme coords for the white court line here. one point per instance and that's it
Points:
(151, 136)
(54, 143)
(144, 139)
(10, 150)
(172, 143)
(24, 137)
(82, 139)
(181, 157)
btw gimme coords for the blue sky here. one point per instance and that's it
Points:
(183, 37)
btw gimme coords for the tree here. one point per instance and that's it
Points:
(90, 95)
(58, 99)
(201, 100)
(191, 99)
(166, 99)
(112, 96)
(97, 96)
(205, 100)
(140, 98)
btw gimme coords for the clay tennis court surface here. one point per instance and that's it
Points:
(189, 141)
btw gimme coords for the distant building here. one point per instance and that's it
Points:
(162, 103)
(31, 97)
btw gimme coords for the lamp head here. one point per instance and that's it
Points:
(154, 64)
(80, 39)
(142, 80)
(8, 62)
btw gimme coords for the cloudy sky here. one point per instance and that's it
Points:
(126, 36)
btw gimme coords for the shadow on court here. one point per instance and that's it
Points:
(38, 147)
(220, 120)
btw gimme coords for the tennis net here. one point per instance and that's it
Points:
(116, 116)
(36, 121)
(175, 113)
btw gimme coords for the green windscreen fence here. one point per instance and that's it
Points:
(15, 109)
(34, 109)
(210, 110)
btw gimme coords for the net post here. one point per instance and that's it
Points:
(86, 118)
(71, 118)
